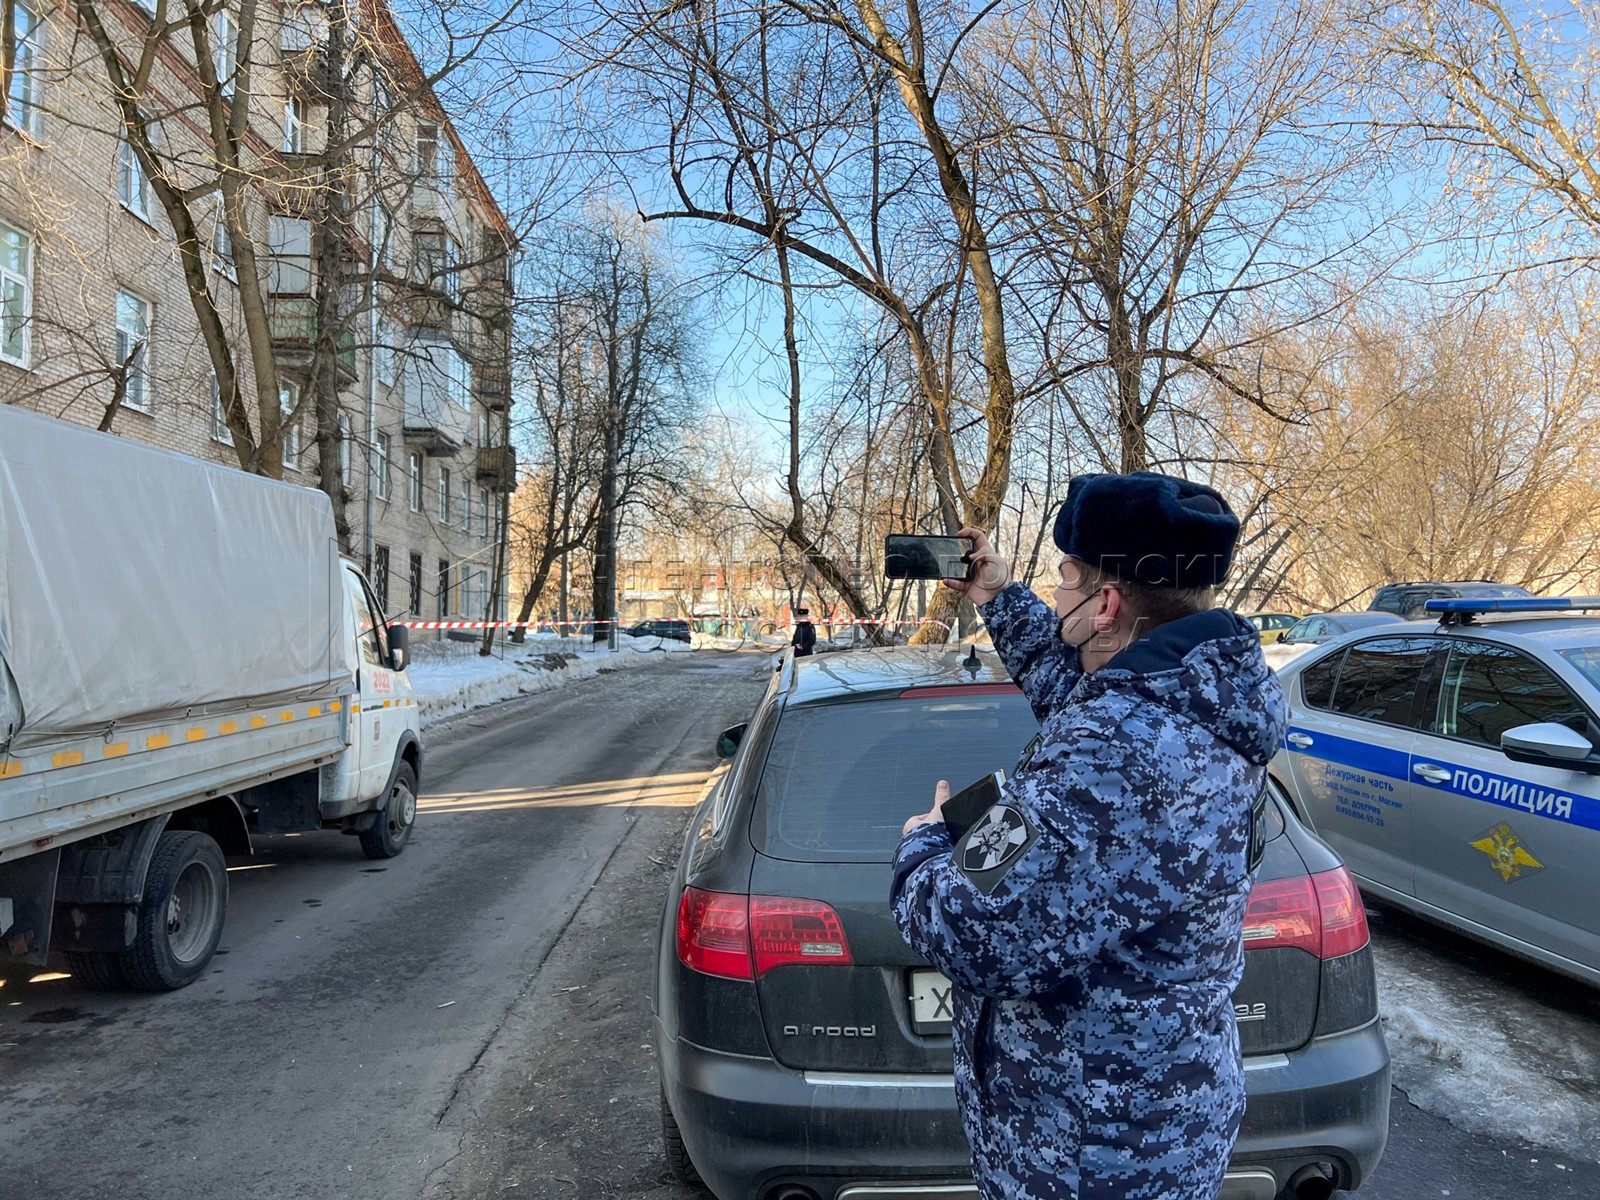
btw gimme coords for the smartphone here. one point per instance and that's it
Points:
(966, 808)
(916, 556)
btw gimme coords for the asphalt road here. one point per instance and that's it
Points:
(469, 1021)
(353, 1002)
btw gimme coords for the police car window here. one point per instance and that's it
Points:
(1378, 680)
(1316, 681)
(841, 779)
(1490, 689)
(1587, 660)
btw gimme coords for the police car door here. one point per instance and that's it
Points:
(1350, 736)
(1501, 843)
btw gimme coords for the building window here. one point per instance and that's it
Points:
(219, 420)
(133, 187)
(380, 466)
(444, 589)
(380, 576)
(415, 581)
(288, 256)
(344, 450)
(23, 84)
(133, 350)
(483, 512)
(225, 50)
(383, 352)
(435, 260)
(288, 401)
(444, 495)
(414, 464)
(466, 505)
(434, 160)
(16, 294)
(222, 248)
(294, 126)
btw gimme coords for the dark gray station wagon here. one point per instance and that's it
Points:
(804, 1049)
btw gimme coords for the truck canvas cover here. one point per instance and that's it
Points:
(137, 583)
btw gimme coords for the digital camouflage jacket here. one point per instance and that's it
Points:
(1093, 922)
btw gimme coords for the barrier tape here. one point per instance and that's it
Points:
(615, 621)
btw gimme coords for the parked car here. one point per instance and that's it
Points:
(1406, 600)
(804, 1049)
(1271, 626)
(672, 629)
(1454, 768)
(1317, 628)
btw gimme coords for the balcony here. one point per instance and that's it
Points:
(497, 468)
(494, 389)
(438, 401)
(293, 322)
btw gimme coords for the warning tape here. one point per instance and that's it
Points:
(614, 621)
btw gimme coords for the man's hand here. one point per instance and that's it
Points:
(990, 573)
(935, 815)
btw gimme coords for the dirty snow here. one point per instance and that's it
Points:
(1489, 1059)
(450, 677)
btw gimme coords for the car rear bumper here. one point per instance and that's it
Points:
(1326, 1103)
(752, 1126)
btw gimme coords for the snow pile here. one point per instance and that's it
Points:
(1520, 1071)
(448, 678)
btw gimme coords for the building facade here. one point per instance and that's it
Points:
(378, 319)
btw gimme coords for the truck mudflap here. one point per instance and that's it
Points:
(27, 900)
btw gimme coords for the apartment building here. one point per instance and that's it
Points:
(381, 262)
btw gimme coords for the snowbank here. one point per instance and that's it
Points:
(1517, 1071)
(450, 677)
(1279, 656)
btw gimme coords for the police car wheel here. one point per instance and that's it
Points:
(679, 1165)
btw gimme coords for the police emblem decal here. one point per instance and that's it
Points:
(1000, 834)
(1507, 853)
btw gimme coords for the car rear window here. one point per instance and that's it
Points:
(841, 779)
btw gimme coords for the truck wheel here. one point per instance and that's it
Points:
(99, 969)
(678, 1164)
(180, 918)
(389, 834)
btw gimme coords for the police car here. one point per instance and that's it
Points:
(1455, 768)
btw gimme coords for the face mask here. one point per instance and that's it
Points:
(1062, 622)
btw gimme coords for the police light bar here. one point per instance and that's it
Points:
(1463, 610)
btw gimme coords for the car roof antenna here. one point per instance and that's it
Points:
(971, 662)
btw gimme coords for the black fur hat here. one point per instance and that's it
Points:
(1153, 529)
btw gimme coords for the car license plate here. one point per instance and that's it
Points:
(930, 998)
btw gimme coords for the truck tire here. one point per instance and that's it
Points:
(389, 834)
(99, 969)
(679, 1165)
(180, 918)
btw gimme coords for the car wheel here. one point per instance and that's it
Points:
(180, 918)
(101, 970)
(679, 1165)
(388, 835)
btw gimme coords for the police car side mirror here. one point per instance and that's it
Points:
(1547, 744)
(728, 741)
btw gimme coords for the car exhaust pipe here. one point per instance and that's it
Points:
(1311, 1183)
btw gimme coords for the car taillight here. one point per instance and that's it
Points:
(714, 934)
(1319, 913)
(796, 931)
(743, 937)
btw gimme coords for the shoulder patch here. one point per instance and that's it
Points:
(992, 846)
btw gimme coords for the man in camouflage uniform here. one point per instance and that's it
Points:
(1093, 921)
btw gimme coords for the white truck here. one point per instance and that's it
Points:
(186, 662)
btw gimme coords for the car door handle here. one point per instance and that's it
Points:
(1431, 773)
(1298, 740)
